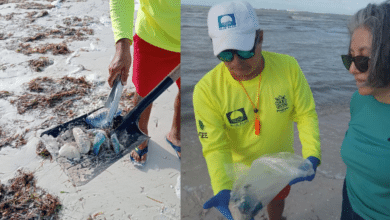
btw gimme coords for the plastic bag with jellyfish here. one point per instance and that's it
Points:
(255, 187)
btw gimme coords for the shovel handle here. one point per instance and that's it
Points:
(133, 116)
(175, 73)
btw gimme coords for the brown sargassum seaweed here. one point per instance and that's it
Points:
(22, 199)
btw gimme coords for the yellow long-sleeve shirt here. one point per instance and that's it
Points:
(225, 117)
(158, 22)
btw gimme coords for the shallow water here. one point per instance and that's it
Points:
(315, 40)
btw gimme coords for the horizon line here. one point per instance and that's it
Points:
(288, 10)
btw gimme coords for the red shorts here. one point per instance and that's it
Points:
(283, 194)
(151, 65)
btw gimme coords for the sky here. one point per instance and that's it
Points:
(347, 7)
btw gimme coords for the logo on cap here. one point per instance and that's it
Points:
(226, 21)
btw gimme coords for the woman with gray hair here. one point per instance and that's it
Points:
(366, 146)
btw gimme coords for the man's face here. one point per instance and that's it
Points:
(240, 67)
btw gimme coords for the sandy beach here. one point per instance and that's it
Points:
(78, 41)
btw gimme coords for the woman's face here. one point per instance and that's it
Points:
(361, 46)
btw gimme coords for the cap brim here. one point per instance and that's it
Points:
(233, 42)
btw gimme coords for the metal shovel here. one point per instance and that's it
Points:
(126, 129)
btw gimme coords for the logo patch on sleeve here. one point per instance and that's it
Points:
(202, 134)
(201, 125)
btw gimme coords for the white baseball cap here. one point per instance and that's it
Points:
(232, 25)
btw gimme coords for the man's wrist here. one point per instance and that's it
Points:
(123, 43)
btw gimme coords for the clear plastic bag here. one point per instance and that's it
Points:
(103, 117)
(98, 119)
(255, 186)
(98, 141)
(115, 144)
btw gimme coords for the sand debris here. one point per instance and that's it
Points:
(10, 1)
(59, 94)
(6, 138)
(22, 199)
(78, 34)
(20, 141)
(4, 94)
(39, 64)
(92, 217)
(10, 16)
(31, 101)
(42, 14)
(76, 21)
(87, 30)
(127, 101)
(74, 34)
(3, 36)
(33, 5)
(31, 14)
(38, 36)
(55, 31)
(26, 48)
(42, 151)
(6, 141)
(36, 85)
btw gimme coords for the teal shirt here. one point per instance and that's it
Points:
(366, 152)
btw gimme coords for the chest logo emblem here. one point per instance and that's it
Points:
(237, 117)
(281, 103)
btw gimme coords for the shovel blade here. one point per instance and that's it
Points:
(77, 122)
(89, 166)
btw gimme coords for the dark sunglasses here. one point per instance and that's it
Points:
(361, 62)
(228, 55)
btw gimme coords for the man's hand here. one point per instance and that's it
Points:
(314, 161)
(220, 202)
(120, 64)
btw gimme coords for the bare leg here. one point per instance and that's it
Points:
(143, 126)
(275, 210)
(174, 134)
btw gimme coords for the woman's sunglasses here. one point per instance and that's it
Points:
(228, 55)
(361, 62)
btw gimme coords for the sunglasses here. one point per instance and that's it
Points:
(228, 55)
(361, 62)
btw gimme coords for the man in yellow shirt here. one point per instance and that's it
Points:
(156, 54)
(247, 105)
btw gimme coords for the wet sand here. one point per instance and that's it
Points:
(121, 191)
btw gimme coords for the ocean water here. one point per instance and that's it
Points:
(315, 40)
